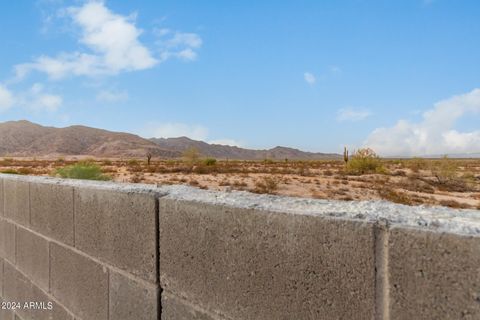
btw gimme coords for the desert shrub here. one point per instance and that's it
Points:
(133, 162)
(191, 155)
(25, 170)
(266, 185)
(136, 178)
(82, 170)
(453, 204)
(364, 161)
(445, 170)
(209, 161)
(394, 196)
(107, 162)
(416, 164)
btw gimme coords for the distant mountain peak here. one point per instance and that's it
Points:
(25, 138)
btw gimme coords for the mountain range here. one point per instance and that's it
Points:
(24, 138)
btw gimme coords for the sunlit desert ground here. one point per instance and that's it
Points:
(445, 182)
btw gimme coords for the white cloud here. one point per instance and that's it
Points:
(335, 70)
(48, 102)
(112, 96)
(435, 134)
(37, 99)
(112, 39)
(6, 98)
(173, 130)
(226, 142)
(113, 46)
(350, 114)
(309, 78)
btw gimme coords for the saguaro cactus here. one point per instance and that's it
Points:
(149, 157)
(345, 155)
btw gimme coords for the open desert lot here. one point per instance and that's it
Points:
(445, 182)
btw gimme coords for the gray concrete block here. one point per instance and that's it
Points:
(34, 303)
(249, 264)
(174, 308)
(7, 240)
(6, 314)
(1, 197)
(132, 300)
(16, 201)
(118, 228)
(33, 258)
(433, 275)
(51, 210)
(79, 283)
(1, 278)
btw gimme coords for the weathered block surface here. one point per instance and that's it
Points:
(1, 197)
(18, 288)
(33, 257)
(6, 314)
(79, 283)
(16, 201)
(7, 240)
(118, 228)
(1, 277)
(175, 308)
(433, 275)
(250, 264)
(52, 211)
(131, 300)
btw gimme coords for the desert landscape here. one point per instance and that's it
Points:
(88, 153)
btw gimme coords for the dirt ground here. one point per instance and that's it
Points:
(413, 182)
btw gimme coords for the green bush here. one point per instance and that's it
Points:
(82, 170)
(445, 170)
(365, 161)
(9, 171)
(210, 161)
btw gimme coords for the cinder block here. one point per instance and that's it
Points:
(20, 289)
(16, 201)
(52, 211)
(7, 240)
(132, 300)
(1, 197)
(32, 257)
(433, 275)
(6, 314)
(118, 228)
(175, 308)
(79, 283)
(1, 278)
(250, 264)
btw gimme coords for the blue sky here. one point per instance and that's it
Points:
(400, 76)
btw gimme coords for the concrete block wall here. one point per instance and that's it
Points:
(117, 251)
(89, 250)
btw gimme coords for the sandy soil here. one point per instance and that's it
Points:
(410, 182)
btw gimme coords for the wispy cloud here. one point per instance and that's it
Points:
(112, 96)
(434, 134)
(309, 78)
(176, 129)
(352, 114)
(226, 142)
(178, 44)
(36, 99)
(6, 98)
